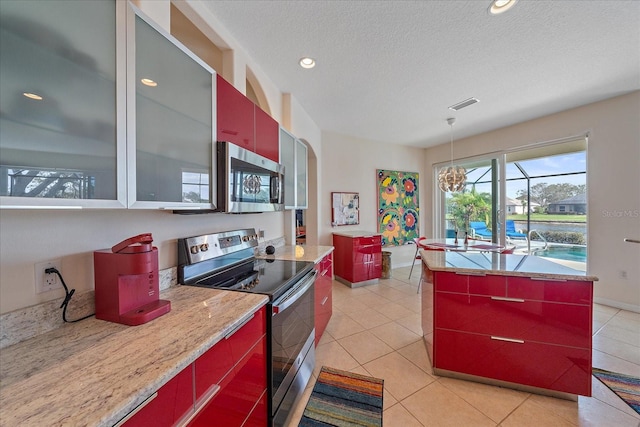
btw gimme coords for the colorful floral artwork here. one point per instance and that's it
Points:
(398, 207)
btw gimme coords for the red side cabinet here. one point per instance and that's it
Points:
(357, 259)
(235, 113)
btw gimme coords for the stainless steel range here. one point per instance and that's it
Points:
(226, 261)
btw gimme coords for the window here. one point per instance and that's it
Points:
(195, 187)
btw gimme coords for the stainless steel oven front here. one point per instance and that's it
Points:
(292, 347)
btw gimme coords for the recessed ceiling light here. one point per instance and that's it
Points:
(32, 96)
(500, 6)
(307, 62)
(149, 82)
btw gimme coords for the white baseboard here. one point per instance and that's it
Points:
(617, 304)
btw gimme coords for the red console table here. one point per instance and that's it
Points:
(511, 320)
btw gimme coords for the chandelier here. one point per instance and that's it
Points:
(452, 178)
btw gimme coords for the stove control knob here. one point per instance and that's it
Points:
(245, 238)
(204, 247)
(194, 249)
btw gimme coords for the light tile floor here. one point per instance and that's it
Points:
(375, 330)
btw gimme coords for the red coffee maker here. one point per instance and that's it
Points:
(127, 283)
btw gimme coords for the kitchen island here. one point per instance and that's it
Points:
(511, 320)
(95, 372)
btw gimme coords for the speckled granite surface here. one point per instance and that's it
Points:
(95, 372)
(500, 264)
(288, 253)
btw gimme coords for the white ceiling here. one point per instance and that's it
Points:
(388, 70)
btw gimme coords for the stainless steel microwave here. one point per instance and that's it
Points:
(247, 182)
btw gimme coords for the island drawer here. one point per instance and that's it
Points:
(471, 284)
(562, 324)
(560, 368)
(546, 289)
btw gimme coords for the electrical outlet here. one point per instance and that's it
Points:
(622, 274)
(261, 234)
(47, 282)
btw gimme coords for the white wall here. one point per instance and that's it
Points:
(613, 182)
(349, 165)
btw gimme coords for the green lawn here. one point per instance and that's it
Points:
(550, 217)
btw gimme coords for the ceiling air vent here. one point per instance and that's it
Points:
(465, 103)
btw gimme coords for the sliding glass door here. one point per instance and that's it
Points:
(533, 199)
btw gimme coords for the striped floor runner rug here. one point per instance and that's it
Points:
(625, 386)
(344, 399)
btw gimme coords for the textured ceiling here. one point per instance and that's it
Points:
(388, 70)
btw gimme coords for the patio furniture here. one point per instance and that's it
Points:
(480, 229)
(511, 231)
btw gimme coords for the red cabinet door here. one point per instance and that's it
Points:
(267, 135)
(235, 113)
(323, 296)
(213, 365)
(173, 401)
(241, 392)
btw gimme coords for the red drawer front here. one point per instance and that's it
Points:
(258, 417)
(239, 392)
(575, 292)
(323, 313)
(367, 241)
(451, 282)
(562, 324)
(173, 402)
(488, 285)
(219, 359)
(565, 369)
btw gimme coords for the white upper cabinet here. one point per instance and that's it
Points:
(171, 120)
(62, 104)
(293, 155)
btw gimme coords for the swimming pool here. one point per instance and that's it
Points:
(568, 253)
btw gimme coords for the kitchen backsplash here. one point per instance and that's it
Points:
(29, 322)
(22, 324)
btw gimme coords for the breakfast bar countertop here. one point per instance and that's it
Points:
(95, 372)
(501, 265)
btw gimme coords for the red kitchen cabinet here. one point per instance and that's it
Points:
(358, 258)
(267, 135)
(243, 123)
(516, 329)
(172, 402)
(235, 114)
(323, 295)
(233, 397)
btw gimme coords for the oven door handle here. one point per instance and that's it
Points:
(286, 301)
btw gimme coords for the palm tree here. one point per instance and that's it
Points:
(469, 206)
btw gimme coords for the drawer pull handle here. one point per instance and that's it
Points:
(136, 410)
(324, 300)
(546, 279)
(507, 339)
(237, 328)
(471, 274)
(507, 299)
(211, 393)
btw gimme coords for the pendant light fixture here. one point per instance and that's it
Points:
(452, 178)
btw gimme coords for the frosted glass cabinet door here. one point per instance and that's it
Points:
(62, 103)
(301, 175)
(170, 120)
(288, 159)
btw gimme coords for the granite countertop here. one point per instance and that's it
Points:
(501, 265)
(95, 372)
(356, 233)
(310, 253)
